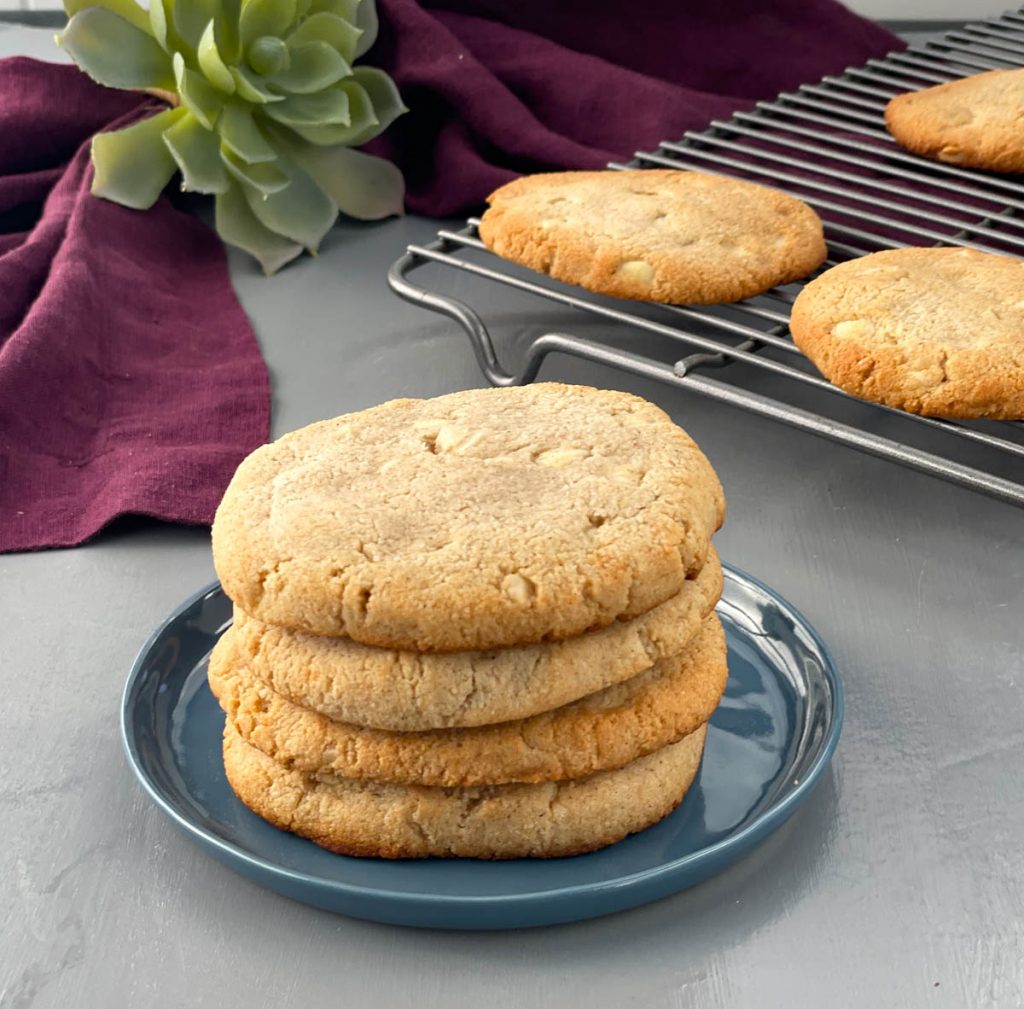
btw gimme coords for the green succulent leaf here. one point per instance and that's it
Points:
(191, 18)
(157, 18)
(229, 37)
(127, 9)
(197, 94)
(366, 21)
(161, 20)
(265, 17)
(197, 153)
(387, 102)
(302, 211)
(265, 177)
(243, 137)
(238, 225)
(314, 66)
(328, 106)
(373, 105)
(335, 31)
(346, 9)
(324, 136)
(211, 64)
(268, 55)
(251, 87)
(362, 185)
(362, 123)
(114, 52)
(132, 166)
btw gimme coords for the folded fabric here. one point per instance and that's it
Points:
(501, 87)
(130, 378)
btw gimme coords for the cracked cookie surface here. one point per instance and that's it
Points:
(412, 691)
(599, 732)
(495, 822)
(975, 121)
(938, 332)
(655, 234)
(481, 519)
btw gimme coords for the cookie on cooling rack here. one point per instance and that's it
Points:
(974, 122)
(655, 235)
(938, 332)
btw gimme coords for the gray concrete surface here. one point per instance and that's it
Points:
(899, 884)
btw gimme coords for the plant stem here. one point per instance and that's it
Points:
(170, 97)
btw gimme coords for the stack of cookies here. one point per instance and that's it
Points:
(480, 625)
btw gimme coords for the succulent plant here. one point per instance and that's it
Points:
(265, 106)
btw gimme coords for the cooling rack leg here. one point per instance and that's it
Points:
(480, 338)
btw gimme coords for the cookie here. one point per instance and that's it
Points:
(938, 332)
(600, 732)
(411, 691)
(974, 122)
(500, 821)
(655, 235)
(477, 520)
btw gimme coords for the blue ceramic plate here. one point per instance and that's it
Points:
(767, 745)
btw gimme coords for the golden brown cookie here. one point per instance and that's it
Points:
(499, 821)
(412, 691)
(482, 519)
(600, 732)
(938, 332)
(975, 121)
(655, 234)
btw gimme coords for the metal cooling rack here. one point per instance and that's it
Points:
(827, 144)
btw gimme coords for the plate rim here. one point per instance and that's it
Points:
(764, 824)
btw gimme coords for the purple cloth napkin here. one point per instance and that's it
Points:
(502, 87)
(130, 378)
